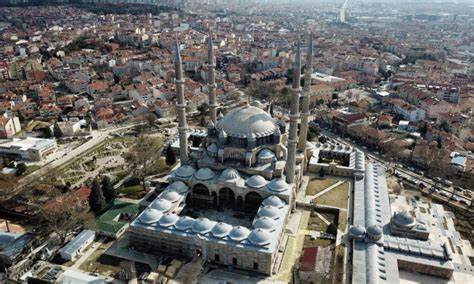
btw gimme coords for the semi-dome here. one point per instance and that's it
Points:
(221, 230)
(266, 154)
(357, 231)
(273, 201)
(404, 219)
(374, 232)
(268, 211)
(230, 174)
(204, 174)
(264, 223)
(150, 216)
(168, 220)
(184, 223)
(178, 186)
(256, 181)
(245, 121)
(185, 171)
(278, 185)
(212, 148)
(202, 226)
(161, 204)
(260, 237)
(170, 195)
(239, 233)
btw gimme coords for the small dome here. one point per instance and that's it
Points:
(185, 171)
(266, 154)
(178, 186)
(357, 231)
(168, 220)
(212, 148)
(268, 211)
(274, 201)
(169, 195)
(204, 174)
(278, 185)
(256, 181)
(221, 230)
(404, 219)
(202, 226)
(421, 227)
(374, 232)
(260, 237)
(150, 216)
(230, 174)
(161, 204)
(264, 223)
(184, 223)
(239, 233)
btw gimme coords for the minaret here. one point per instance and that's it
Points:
(181, 109)
(294, 115)
(306, 96)
(212, 79)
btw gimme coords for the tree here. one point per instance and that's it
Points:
(271, 109)
(321, 172)
(57, 131)
(21, 169)
(203, 108)
(108, 189)
(313, 132)
(424, 129)
(96, 199)
(47, 132)
(439, 140)
(203, 120)
(144, 151)
(322, 139)
(170, 156)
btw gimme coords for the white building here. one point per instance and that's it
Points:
(76, 277)
(77, 245)
(69, 128)
(29, 148)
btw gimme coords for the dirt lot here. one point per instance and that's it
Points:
(317, 185)
(337, 197)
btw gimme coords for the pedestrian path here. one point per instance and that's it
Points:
(310, 198)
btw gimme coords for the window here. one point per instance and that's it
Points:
(234, 261)
(216, 257)
(255, 265)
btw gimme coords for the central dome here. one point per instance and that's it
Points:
(244, 121)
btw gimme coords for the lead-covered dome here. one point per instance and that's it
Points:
(374, 232)
(268, 211)
(170, 195)
(274, 201)
(230, 174)
(260, 237)
(168, 220)
(256, 181)
(247, 121)
(239, 233)
(184, 223)
(404, 219)
(202, 226)
(221, 230)
(204, 174)
(278, 185)
(264, 223)
(161, 204)
(185, 171)
(178, 186)
(150, 216)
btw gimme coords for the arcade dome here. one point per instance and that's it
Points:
(230, 174)
(256, 181)
(202, 226)
(268, 211)
(374, 232)
(204, 174)
(185, 171)
(239, 233)
(168, 220)
(178, 186)
(150, 216)
(221, 230)
(184, 223)
(161, 204)
(247, 121)
(278, 185)
(260, 237)
(264, 223)
(273, 201)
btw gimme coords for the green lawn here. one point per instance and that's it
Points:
(131, 189)
(317, 185)
(336, 197)
(308, 242)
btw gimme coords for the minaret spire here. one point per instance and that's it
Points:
(294, 115)
(181, 108)
(212, 79)
(306, 96)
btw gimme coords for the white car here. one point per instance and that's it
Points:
(444, 193)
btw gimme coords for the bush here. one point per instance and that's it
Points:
(132, 181)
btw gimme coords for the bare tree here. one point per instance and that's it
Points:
(140, 156)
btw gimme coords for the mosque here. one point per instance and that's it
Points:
(230, 199)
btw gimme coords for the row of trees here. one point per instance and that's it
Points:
(101, 194)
